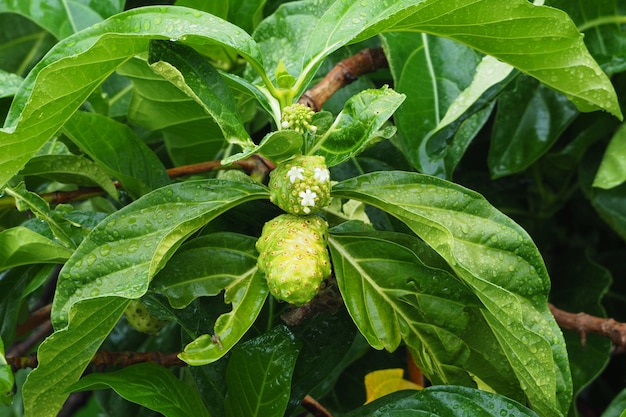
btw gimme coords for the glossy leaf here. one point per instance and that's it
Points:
(65, 355)
(143, 383)
(63, 18)
(385, 381)
(70, 72)
(530, 118)
(196, 78)
(600, 21)
(393, 295)
(259, 375)
(9, 83)
(22, 246)
(275, 146)
(23, 42)
(70, 169)
(448, 401)
(6, 378)
(496, 259)
(357, 125)
(124, 252)
(118, 150)
(612, 170)
(190, 134)
(432, 72)
(207, 266)
(540, 41)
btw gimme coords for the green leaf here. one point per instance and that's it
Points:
(23, 43)
(139, 383)
(540, 41)
(22, 246)
(276, 146)
(15, 286)
(612, 170)
(66, 17)
(65, 355)
(447, 88)
(9, 83)
(496, 259)
(6, 378)
(122, 254)
(70, 169)
(357, 125)
(190, 134)
(194, 76)
(449, 401)
(600, 21)
(78, 64)
(26, 200)
(259, 375)
(118, 150)
(422, 304)
(529, 120)
(204, 267)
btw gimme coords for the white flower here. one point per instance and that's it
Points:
(321, 174)
(295, 173)
(285, 124)
(308, 198)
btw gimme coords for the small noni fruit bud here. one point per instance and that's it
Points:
(298, 117)
(293, 255)
(301, 185)
(138, 317)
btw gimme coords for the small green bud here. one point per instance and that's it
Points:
(139, 318)
(301, 185)
(298, 117)
(293, 255)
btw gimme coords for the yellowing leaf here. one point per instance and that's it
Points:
(385, 381)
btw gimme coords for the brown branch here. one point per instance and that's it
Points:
(35, 319)
(584, 323)
(345, 72)
(315, 408)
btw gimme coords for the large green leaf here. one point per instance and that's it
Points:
(190, 134)
(600, 21)
(9, 83)
(22, 246)
(23, 43)
(540, 41)
(193, 75)
(392, 294)
(118, 150)
(63, 18)
(259, 375)
(64, 356)
(139, 383)
(445, 401)
(71, 71)
(207, 266)
(6, 378)
(357, 125)
(70, 169)
(496, 259)
(124, 252)
(529, 120)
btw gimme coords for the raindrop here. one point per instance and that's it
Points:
(91, 259)
(95, 292)
(105, 250)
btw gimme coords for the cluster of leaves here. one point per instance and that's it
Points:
(94, 93)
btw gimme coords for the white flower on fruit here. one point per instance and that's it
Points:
(321, 174)
(295, 173)
(308, 200)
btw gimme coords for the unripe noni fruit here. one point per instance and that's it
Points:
(141, 320)
(293, 255)
(301, 185)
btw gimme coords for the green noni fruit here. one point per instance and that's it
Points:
(139, 318)
(293, 255)
(301, 185)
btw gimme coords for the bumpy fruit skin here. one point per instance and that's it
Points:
(298, 117)
(138, 316)
(301, 185)
(293, 255)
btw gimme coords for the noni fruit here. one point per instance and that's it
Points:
(293, 255)
(298, 117)
(139, 318)
(301, 185)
